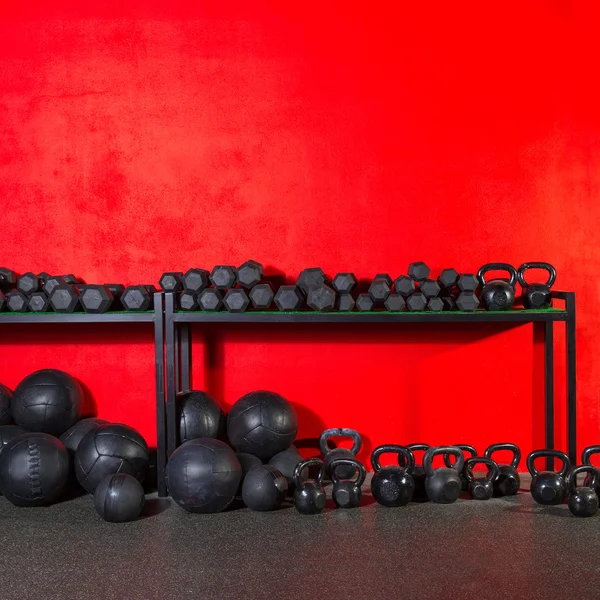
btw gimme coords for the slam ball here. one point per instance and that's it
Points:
(9, 433)
(109, 449)
(247, 462)
(5, 396)
(119, 498)
(199, 416)
(203, 475)
(34, 469)
(48, 401)
(262, 423)
(73, 436)
(264, 488)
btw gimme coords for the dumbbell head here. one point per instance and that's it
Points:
(188, 301)
(96, 299)
(171, 281)
(385, 277)
(236, 300)
(430, 288)
(70, 279)
(468, 282)
(223, 277)
(344, 283)
(261, 296)
(51, 282)
(467, 301)
(404, 285)
(29, 283)
(435, 304)
(417, 301)
(448, 278)
(38, 302)
(2, 301)
(195, 280)
(249, 274)
(321, 298)
(380, 289)
(449, 303)
(116, 289)
(364, 303)
(210, 299)
(16, 301)
(345, 303)
(64, 298)
(43, 276)
(395, 303)
(418, 271)
(137, 297)
(8, 278)
(288, 297)
(312, 277)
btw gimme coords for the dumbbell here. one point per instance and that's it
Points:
(448, 280)
(8, 279)
(194, 281)
(28, 283)
(97, 299)
(404, 286)
(380, 288)
(65, 299)
(16, 301)
(344, 284)
(2, 301)
(467, 300)
(261, 296)
(38, 302)
(289, 298)
(309, 278)
(137, 297)
(223, 277)
(249, 274)
(236, 300)
(321, 298)
(418, 271)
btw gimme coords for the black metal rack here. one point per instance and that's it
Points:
(178, 339)
(155, 317)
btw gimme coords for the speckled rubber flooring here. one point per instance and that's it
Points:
(502, 548)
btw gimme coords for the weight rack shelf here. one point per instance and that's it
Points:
(178, 339)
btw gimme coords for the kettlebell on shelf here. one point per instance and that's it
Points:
(448, 462)
(443, 484)
(309, 497)
(508, 481)
(583, 501)
(498, 294)
(393, 485)
(586, 459)
(548, 487)
(347, 493)
(331, 454)
(481, 488)
(536, 295)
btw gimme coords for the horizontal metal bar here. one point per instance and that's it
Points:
(110, 317)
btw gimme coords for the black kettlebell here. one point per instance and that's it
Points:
(347, 493)
(586, 459)
(448, 462)
(536, 295)
(418, 472)
(309, 497)
(481, 488)
(548, 487)
(331, 454)
(393, 486)
(508, 481)
(583, 501)
(443, 485)
(498, 294)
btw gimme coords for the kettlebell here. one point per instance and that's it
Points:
(393, 486)
(583, 501)
(347, 493)
(418, 472)
(498, 294)
(443, 485)
(508, 481)
(309, 497)
(448, 462)
(481, 488)
(330, 454)
(536, 295)
(586, 459)
(548, 487)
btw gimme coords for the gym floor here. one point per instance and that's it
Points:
(503, 548)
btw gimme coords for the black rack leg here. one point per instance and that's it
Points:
(161, 443)
(184, 344)
(177, 364)
(571, 380)
(549, 388)
(171, 351)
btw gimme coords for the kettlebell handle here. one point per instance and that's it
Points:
(311, 462)
(404, 455)
(349, 462)
(498, 267)
(566, 463)
(428, 458)
(572, 477)
(536, 265)
(505, 446)
(492, 467)
(465, 448)
(587, 454)
(340, 432)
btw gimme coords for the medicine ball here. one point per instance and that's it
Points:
(9, 433)
(109, 449)
(264, 488)
(119, 498)
(48, 401)
(203, 475)
(199, 416)
(247, 462)
(286, 462)
(73, 436)
(34, 469)
(5, 395)
(262, 423)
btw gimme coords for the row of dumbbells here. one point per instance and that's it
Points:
(236, 289)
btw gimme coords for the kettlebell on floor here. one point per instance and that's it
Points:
(548, 487)
(443, 484)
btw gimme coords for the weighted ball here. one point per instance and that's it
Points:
(34, 469)
(548, 487)
(109, 449)
(203, 475)
(9, 433)
(264, 488)
(48, 401)
(286, 462)
(262, 423)
(5, 396)
(247, 462)
(119, 498)
(72, 437)
(199, 416)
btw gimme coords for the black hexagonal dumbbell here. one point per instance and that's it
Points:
(449, 302)
(435, 304)
(38, 302)
(311, 277)
(8, 279)
(29, 283)
(467, 301)
(195, 280)
(261, 296)
(223, 277)
(430, 288)
(404, 286)
(380, 288)
(236, 300)
(70, 279)
(188, 301)
(210, 299)
(321, 298)
(65, 299)
(468, 282)
(364, 303)
(2, 301)
(249, 274)
(171, 281)
(51, 282)
(448, 279)
(418, 271)
(43, 276)
(344, 283)
(395, 303)
(137, 297)
(96, 299)
(288, 298)
(345, 303)
(417, 301)
(16, 301)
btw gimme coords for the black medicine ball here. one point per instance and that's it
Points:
(5, 395)
(199, 416)
(73, 436)
(119, 498)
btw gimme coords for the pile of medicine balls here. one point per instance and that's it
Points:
(46, 447)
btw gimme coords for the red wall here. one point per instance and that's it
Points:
(138, 138)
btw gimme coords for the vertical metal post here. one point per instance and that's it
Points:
(549, 388)
(159, 360)
(571, 379)
(184, 342)
(171, 390)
